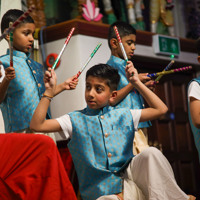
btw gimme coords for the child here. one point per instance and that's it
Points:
(194, 105)
(22, 86)
(101, 139)
(127, 95)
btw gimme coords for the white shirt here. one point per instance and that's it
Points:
(66, 124)
(194, 91)
(2, 72)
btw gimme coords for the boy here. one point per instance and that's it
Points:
(127, 95)
(194, 104)
(22, 85)
(101, 139)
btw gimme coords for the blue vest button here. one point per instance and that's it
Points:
(106, 134)
(109, 155)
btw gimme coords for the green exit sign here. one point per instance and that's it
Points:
(166, 45)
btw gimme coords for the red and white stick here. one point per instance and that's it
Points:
(88, 60)
(120, 43)
(62, 50)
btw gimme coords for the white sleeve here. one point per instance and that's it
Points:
(194, 90)
(136, 114)
(66, 125)
(2, 72)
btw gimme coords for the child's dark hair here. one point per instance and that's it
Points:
(198, 46)
(11, 16)
(107, 73)
(124, 29)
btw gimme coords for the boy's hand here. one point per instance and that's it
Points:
(50, 80)
(10, 73)
(151, 85)
(132, 74)
(70, 83)
(129, 64)
(143, 77)
(147, 81)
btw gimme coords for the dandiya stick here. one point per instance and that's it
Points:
(166, 68)
(11, 45)
(17, 22)
(88, 60)
(64, 46)
(170, 71)
(120, 43)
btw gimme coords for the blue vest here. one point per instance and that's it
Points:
(133, 100)
(101, 148)
(24, 92)
(195, 131)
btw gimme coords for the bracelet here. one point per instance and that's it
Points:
(48, 97)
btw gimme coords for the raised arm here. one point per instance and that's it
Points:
(9, 76)
(123, 92)
(38, 122)
(156, 106)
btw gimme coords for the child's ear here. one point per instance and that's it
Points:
(198, 58)
(7, 37)
(113, 43)
(112, 98)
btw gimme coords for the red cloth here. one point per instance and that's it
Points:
(31, 168)
(69, 166)
(67, 160)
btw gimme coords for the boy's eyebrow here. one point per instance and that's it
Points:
(96, 85)
(99, 85)
(131, 41)
(28, 30)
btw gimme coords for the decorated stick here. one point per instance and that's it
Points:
(11, 46)
(170, 71)
(18, 21)
(166, 68)
(62, 50)
(120, 44)
(88, 60)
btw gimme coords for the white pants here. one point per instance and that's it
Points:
(151, 173)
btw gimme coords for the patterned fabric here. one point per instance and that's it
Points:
(133, 100)
(195, 131)
(24, 92)
(101, 147)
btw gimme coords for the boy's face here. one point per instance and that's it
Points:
(23, 37)
(129, 46)
(97, 92)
